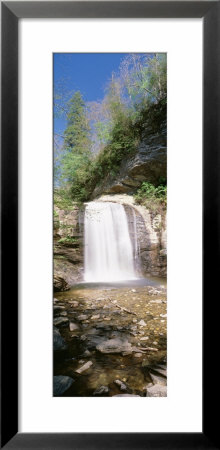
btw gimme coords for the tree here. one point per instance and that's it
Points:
(77, 143)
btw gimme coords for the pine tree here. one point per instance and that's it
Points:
(77, 142)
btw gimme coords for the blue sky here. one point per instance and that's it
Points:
(87, 72)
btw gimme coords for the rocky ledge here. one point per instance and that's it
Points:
(149, 163)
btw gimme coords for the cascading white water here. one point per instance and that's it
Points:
(108, 249)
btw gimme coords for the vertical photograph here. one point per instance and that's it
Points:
(109, 225)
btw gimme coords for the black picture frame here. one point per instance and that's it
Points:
(11, 13)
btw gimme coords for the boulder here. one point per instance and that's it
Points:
(61, 384)
(117, 345)
(60, 284)
(157, 391)
(58, 342)
(158, 380)
(60, 321)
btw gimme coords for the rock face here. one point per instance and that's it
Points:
(148, 164)
(68, 247)
(151, 257)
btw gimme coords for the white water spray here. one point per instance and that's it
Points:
(108, 247)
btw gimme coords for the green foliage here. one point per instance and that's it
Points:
(76, 149)
(153, 197)
(68, 240)
(63, 200)
(100, 135)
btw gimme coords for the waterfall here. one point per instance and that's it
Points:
(108, 252)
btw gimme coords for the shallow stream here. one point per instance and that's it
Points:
(119, 329)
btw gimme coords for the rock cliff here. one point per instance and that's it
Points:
(68, 246)
(149, 163)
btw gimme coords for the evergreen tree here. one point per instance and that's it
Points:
(77, 142)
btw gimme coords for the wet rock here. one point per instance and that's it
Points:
(156, 391)
(83, 317)
(61, 384)
(142, 323)
(60, 284)
(101, 390)
(57, 308)
(95, 317)
(74, 303)
(60, 321)
(121, 385)
(161, 371)
(83, 337)
(58, 342)
(138, 355)
(144, 338)
(55, 300)
(116, 345)
(126, 395)
(86, 366)
(87, 353)
(63, 314)
(158, 380)
(73, 326)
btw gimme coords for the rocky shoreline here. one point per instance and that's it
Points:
(110, 341)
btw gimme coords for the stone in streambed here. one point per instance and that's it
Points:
(87, 353)
(138, 355)
(95, 317)
(58, 308)
(84, 367)
(121, 385)
(158, 380)
(61, 384)
(126, 395)
(116, 345)
(142, 323)
(74, 303)
(58, 342)
(60, 321)
(73, 326)
(83, 317)
(157, 391)
(101, 390)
